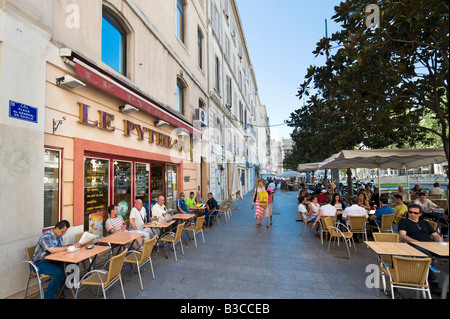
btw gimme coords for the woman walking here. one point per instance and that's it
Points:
(269, 207)
(259, 212)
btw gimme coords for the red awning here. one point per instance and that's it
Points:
(108, 84)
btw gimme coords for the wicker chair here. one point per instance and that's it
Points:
(34, 272)
(226, 211)
(323, 229)
(337, 233)
(305, 223)
(385, 259)
(197, 228)
(174, 238)
(145, 257)
(357, 225)
(409, 273)
(105, 279)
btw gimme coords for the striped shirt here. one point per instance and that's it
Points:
(47, 240)
(114, 224)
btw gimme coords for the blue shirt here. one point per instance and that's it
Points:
(384, 210)
(182, 204)
(47, 240)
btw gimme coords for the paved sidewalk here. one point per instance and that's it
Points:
(241, 261)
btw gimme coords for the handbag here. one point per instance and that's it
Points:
(263, 198)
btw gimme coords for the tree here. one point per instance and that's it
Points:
(382, 83)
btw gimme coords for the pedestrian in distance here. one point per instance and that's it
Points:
(260, 210)
(269, 208)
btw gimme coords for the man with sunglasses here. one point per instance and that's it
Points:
(414, 229)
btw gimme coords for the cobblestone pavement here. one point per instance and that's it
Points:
(241, 261)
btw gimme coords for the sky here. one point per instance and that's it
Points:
(281, 36)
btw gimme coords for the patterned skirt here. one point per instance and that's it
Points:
(260, 210)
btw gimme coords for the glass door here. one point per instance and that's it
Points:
(172, 189)
(141, 185)
(122, 188)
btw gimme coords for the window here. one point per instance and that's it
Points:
(114, 43)
(200, 49)
(217, 74)
(52, 189)
(229, 92)
(181, 20)
(180, 96)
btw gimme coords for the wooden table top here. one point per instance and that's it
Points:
(183, 216)
(163, 224)
(78, 256)
(121, 238)
(389, 248)
(434, 247)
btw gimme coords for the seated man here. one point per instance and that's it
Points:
(190, 201)
(385, 209)
(198, 198)
(401, 191)
(159, 211)
(211, 206)
(400, 209)
(354, 210)
(115, 223)
(424, 203)
(49, 243)
(437, 190)
(138, 218)
(302, 205)
(181, 204)
(413, 229)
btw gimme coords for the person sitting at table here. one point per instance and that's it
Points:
(354, 210)
(198, 198)
(181, 204)
(416, 190)
(50, 242)
(363, 200)
(190, 201)
(400, 209)
(211, 206)
(436, 190)
(375, 198)
(401, 191)
(115, 223)
(323, 194)
(138, 218)
(338, 203)
(326, 210)
(385, 209)
(424, 203)
(159, 211)
(414, 229)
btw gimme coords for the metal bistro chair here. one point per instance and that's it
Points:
(34, 272)
(357, 224)
(409, 273)
(174, 238)
(140, 258)
(226, 211)
(337, 233)
(196, 228)
(305, 223)
(323, 229)
(105, 279)
(385, 260)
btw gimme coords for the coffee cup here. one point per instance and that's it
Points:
(71, 249)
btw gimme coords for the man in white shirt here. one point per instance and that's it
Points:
(327, 209)
(301, 205)
(159, 210)
(424, 202)
(436, 190)
(354, 210)
(138, 218)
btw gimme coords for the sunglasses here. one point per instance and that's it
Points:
(415, 213)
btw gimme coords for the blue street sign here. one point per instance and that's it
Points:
(23, 112)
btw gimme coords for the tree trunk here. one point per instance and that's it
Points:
(349, 182)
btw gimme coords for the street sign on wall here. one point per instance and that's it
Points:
(23, 112)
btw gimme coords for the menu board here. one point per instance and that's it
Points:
(96, 186)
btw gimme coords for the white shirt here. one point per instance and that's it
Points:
(328, 210)
(436, 191)
(355, 210)
(424, 206)
(302, 208)
(157, 211)
(139, 217)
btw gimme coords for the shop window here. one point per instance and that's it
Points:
(122, 188)
(52, 187)
(96, 195)
(114, 43)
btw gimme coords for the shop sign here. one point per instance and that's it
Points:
(105, 122)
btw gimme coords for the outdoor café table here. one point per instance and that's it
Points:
(78, 256)
(442, 203)
(162, 226)
(441, 251)
(397, 249)
(120, 239)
